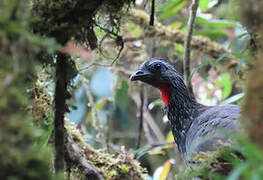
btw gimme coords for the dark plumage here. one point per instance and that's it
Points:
(195, 127)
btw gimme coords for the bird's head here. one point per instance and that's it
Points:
(159, 73)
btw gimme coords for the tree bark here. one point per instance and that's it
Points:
(60, 109)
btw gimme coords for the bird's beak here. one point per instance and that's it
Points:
(140, 75)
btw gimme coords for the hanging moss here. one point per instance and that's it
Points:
(74, 18)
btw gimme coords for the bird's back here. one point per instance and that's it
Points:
(210, 126)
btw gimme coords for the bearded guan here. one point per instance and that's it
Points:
(195, 127)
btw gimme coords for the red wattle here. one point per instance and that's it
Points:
(166, 91)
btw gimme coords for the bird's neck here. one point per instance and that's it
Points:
(181, 109)
(166, 92)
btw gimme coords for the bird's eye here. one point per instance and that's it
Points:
(156, 67)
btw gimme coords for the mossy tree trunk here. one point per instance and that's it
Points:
(19, 158)
(252, 17)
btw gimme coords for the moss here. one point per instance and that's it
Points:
(252, 18)
(210, 165)
(111, 167)
(124, 168)
(252, 111)
(68, 19)
(19, 158)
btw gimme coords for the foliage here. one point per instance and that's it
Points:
(20, 159)
(34, 32)
(244, 156)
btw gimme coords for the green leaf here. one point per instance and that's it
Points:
(170, 9)
(232, 99)
(90, 117)
(47, 135)
(238, 55)
(157, 150)
(179, 47)
(220, 58)
(235, 174)
(240, 65)
(213, 34)
(170, 4)
(100, 104)
(214, 23)
(155, 103)
(170, 137)
(203, 4)
(257, 175)
(137, 31)
(226, 83)
(248, 149)
(141, 151)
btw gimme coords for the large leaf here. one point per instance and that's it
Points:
(214, 23)
(171, 8)
(213, 34)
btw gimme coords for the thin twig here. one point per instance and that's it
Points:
(149, 119)
(106, 65)
(93, 108)
(147, 132)
(132, 39)
(140, 119)
(152, 13)
(187, 43)
(151, 146)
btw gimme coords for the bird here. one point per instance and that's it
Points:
(195, 127)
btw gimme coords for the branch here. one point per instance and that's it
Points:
(152, 13)
(148, 118)
(60, 109)
(77, 157)
(140, 118)
(187, 44)
(98, 163)
(199, 43)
